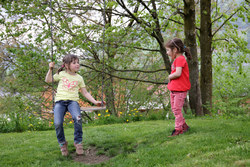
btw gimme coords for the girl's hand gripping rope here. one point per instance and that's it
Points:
(99, 103)
(51, 65)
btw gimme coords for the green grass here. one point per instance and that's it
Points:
(210, 142)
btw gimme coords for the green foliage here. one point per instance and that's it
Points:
(18, 114)
(131, 46)
(231, 107)
(231, 85)
(105, 118)
(133, 115)
(23, 83)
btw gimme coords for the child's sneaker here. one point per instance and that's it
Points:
(64, 149)
(185, 127)
(79, 148)
(176, 132)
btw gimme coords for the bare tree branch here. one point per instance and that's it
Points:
(123, 78)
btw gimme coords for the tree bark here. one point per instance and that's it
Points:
(206, 55)
(108, 86)
(190, 41)
(110, 96)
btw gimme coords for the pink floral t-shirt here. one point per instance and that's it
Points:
(68, 86)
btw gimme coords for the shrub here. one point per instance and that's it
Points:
(17, 116)
(231, 91)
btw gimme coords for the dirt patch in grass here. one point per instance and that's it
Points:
(90, 157)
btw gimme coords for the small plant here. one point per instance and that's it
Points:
(19, 116)
(132, 116)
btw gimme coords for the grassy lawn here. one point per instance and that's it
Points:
(210, 142)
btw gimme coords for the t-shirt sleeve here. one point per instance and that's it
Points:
(180, 62)
(56, 77)
(81, 83)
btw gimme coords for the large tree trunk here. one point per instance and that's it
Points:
(190, 41)
(206, 55)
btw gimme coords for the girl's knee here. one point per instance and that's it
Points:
(58, 124)
(77, 119)
(177, 112)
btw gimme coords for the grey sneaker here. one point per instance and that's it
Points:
(79, 148)
(64, 149)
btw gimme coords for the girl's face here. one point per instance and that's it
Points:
(74, 66)
(171, 53)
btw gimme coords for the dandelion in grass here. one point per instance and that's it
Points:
(99, 115)
(108, 115)
(129, 114)
(127, 120)
(70, 122)
(107, 110)
(120, 113)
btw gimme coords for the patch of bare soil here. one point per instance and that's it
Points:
(90, 157)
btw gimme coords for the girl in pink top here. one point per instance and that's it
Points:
(179, 83)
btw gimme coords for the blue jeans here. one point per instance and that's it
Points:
(60, 109)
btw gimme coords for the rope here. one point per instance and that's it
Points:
(103, 53)
(103, 47)
(52, 59)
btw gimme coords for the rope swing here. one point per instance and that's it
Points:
(83, 109)
(51, 52)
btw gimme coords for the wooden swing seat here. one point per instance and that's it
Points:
(90, 108)
(93, 108)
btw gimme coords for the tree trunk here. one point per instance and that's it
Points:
(206, 55)
(110, 97)
(190, 41)
(111, 52)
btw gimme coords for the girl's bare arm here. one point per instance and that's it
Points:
(86, 94)
(48, 77)
(176, 74)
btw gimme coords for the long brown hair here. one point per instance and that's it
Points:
(67, 60)
(178, 44)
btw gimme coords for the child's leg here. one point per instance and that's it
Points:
(75, 112)
(59, 112)
(177, 102)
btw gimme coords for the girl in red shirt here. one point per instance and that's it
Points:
(179, 83)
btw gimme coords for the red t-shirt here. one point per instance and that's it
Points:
(182, 83)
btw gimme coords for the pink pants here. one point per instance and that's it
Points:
(177, 102)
